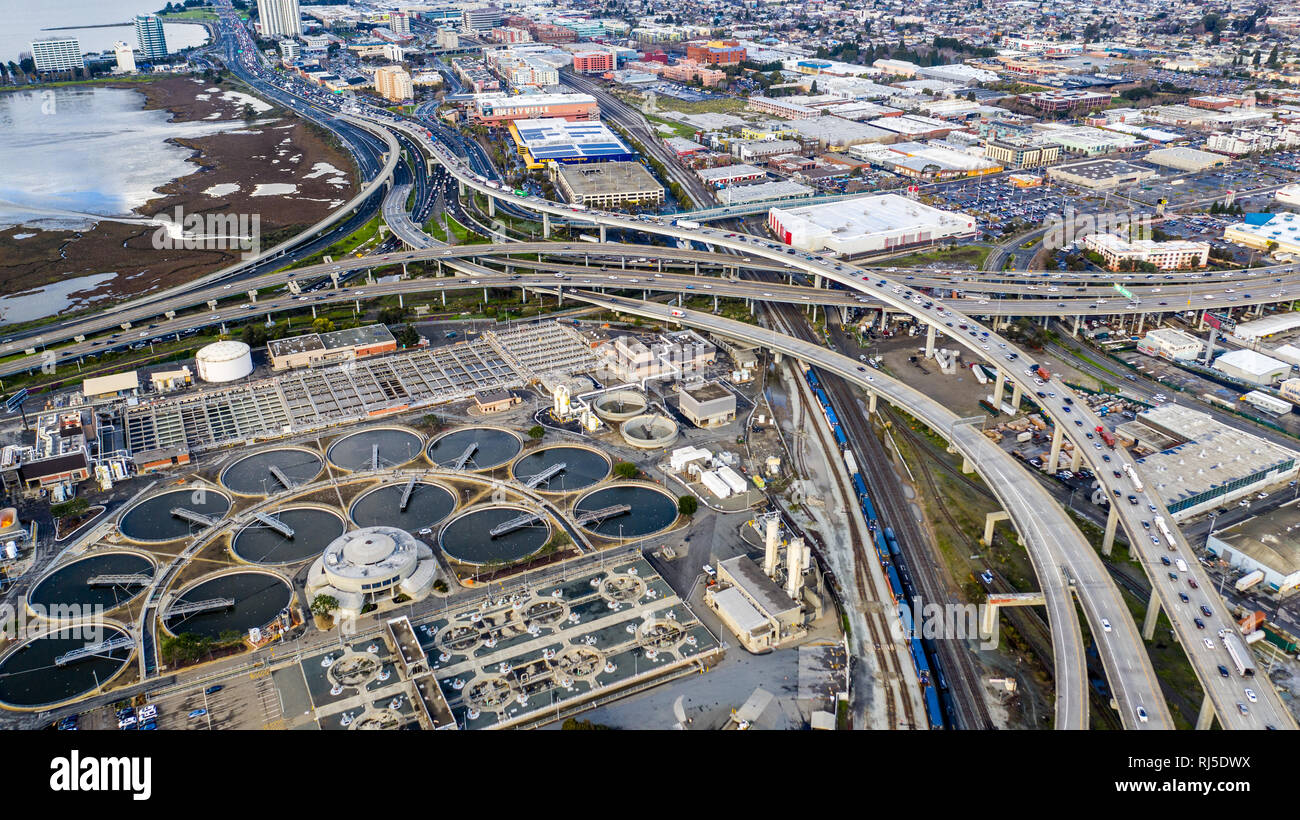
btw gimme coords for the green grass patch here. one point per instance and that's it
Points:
(963, 254)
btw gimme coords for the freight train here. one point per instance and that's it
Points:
(901, 586)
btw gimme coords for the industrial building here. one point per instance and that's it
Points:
(1278, 235)
(923, 161)
(369, 563)
(710, 405)
(1186, 159)
(730, 175)
(607, 185)
(1172, 344)
(1201, 463)
(495, 109)
(1268, 543)
(1099, 174)
(313, 349)
(1012, 153)
(494, 400)
(117, 385)
(867, 225)
(1252, 367)
(540, 141)
(1263, 328)
(1177, 254)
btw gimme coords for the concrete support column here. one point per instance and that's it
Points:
(999, 388)
(697, 267)
(990, 520)
(602, 233)
(492, 206)
(966, 466)
(460, 186)
(1205, 718)
(559, 296)
(929, 341)
(1076, 459)
(1078, 320)
(1058, 436)
(1016, 392)
(252, 296)
(1112, 522)
(444, 300)
(1153, 615)
(776, 356)
(523, 295)
(1142, 322)
(401, 303)
(546, 225)
(871, 402)
(817, 280)
(715, 303)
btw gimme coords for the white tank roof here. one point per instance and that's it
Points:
(228, 350)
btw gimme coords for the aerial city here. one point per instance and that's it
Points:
(580, 364)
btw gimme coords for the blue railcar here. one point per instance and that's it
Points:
(895, 585)
(840, 438)
(812, 378)
(860, 487)
(932, 709)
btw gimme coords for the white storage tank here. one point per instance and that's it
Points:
(224, 361)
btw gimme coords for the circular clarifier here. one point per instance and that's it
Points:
(583, 467)
(151, 520)
(356, 452)
(31, 675)
(258, 597)
(651, 510)
(251, 475)
(428, 505)
(468, 537)
(312, 528)
(492, 447)
(70, 584)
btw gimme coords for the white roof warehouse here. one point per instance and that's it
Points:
(867, 225)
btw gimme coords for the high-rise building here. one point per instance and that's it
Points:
(400, 23)
(57, 54)
(480, 19)
(149, 34)
(393, 83)
(125, 58)
(279, 18)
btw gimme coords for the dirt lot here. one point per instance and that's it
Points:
(274, 148)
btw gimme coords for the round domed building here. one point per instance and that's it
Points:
(372, 563)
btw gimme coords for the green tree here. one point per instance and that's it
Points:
(536, 432)
(322, 324)
(408, 337)
(687, 505)
(323, 605)
(70, 508)
(626, 469)
(393, 315)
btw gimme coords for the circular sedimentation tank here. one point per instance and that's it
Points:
(29, 675)
(69, 584)
(652, 510)
(649, 431)
(259, 597)
(251, 475)
(619, 405)
(313, 528)
(494, 447)
(428, 505)
(467, 538)
(151, 520)
(583, 467)
(354, 452)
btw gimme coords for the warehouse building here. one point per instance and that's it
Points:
(1172, 344)
(867, 225)
(833, 133)
(494, 109)
(1268, 543)
(1252, 367)
(1209, 464)
(711, 405)
(314, 349)
(99, 388)
(1099, 174)
(556, 140)
(730, 175)
(1267, 326)
(763, 192)
(752, 605)
(1278, 235)
(607, 184)
(1186, 159)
